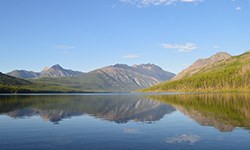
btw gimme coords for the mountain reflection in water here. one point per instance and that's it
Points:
(222, 111)
(119, 109)
(125, 121)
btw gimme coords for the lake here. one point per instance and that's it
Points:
(125, 121)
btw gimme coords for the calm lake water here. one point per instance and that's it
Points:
(124, 121)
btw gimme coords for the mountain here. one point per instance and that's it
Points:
(54, 71)
(115, 78)
(202, 63)
(220, 73)
(24, 74)
(9, 84)
(58, 71)
(149, 70)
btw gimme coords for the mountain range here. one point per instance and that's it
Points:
(54, 71)
(114, 78)
(220, 72)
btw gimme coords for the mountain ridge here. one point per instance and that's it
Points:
(113, 78)
(58, 71)
(118, 78)
(53, 71)
(23, 74)
(232, 74)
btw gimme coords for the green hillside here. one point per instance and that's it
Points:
(8, 80)
(10, 84)
(232, 74)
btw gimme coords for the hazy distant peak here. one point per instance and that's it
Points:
(23, 74)
(58, 71)
(23, 70)
(54, 71)
(57, 66)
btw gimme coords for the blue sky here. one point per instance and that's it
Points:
(88, 34)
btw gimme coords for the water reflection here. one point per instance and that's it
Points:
(119, 109)
(225, 112)
(191, 139)
(222, 111)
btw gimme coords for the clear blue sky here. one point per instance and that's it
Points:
(88, 34)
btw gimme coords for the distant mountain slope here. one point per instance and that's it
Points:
(149, 70)
(116, 78)
(125, 79)
(232, 74)
(24, 74)
(58, 71)
(201, 63)
(54, 71)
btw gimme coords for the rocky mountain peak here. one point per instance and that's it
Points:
(154, 71)
(124, 66)
(58, 71)
(57, 67)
